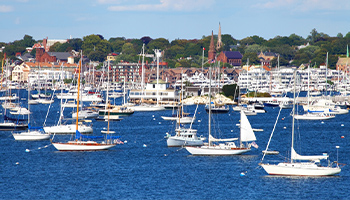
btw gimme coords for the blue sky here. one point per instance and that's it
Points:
(170, 19)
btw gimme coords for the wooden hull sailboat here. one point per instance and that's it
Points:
(83, 142)
(82, 146)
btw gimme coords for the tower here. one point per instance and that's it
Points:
(212, 52)
(219, 42)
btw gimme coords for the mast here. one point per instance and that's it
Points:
(209, 120)
(77, 119)
(61, 111)
(28, 105)
(326, 72)
(157, 55)
(308, 86)
(107, 104)
(142, 69)
(293, 112)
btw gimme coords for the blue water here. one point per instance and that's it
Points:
(131, 171)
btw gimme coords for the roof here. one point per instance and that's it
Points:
(160, 81)
(233, 54)
(60, 55)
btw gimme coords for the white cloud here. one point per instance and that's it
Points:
(166, 5)
(4, 8)
(305, 5)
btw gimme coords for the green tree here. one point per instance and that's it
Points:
(253, 59)
(159, 43)
(128, 48)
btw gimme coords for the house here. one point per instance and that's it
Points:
(20, 73)
(42, 56)
(233, 58)
(266, 57)
(112, 56)
(343, 64)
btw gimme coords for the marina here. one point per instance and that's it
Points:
(145, 167)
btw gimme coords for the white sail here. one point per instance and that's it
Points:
(296, 156)
(247, 133)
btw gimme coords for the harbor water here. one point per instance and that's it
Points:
(145, 168)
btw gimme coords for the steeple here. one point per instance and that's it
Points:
(219, 42)
(212, 52)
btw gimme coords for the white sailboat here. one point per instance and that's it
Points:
(32, 133)
(214, 148)
(61, 128)
(300, 165)
(79, 144)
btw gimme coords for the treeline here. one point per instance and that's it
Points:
(188, 53)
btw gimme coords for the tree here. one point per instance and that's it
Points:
(339, 35)
(28, 41)
(128, 48)
(255, 48)
(76, 43)
(253, 58)
(159, 43)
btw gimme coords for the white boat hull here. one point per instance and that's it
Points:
(67, 129)
(300, 169)
(82, 146)
(316, 116)
(30, 136)
(216, 150)
(175, 141)
(147, 108)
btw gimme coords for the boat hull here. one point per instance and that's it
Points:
(81, 146)
(300, 169)
(67, 129)
(31, 136)
(181, 141)
(12, 126)
(216, 151)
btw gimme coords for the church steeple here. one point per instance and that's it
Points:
(219, 42)
(212, 52)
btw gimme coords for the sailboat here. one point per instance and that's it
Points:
(33, 133)
(300, 165)
(214, 148)
(309, 115)
(79, 144)
(10, 123)
(61, 128)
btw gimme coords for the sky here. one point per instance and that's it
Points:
(170, 19)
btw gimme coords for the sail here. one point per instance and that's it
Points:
(247, 133)
(212, 139)
(296, 156)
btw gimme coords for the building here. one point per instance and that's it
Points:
(42, 56)
(212, 51)
(233, 58)
(20, 73)
(112, 56)
(266, 57)
(343, 64)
